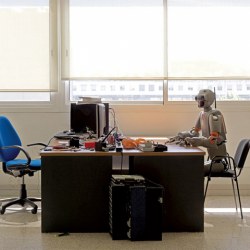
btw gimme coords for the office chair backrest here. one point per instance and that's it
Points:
(241, 153)
(8, 137)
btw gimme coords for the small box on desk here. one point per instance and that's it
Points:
(89, 144)
(135, 208)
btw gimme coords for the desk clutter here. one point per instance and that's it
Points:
(90, 129)
(109, 142)
(135, 208)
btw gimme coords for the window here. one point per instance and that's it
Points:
(229, 87)
(83, 88)
(112, 87)
(24, 96)
(208, 43)
(205, 41)
(119, 90)
(219, 87)
(239, 87)
(125, 51)
(115, 43)
(178, 39)
(93, 87)
(141, 87)
(103, 88)
(180, 87)
(151, 87)
(28, 50)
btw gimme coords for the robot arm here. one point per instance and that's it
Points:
(201, 141)
(181, 136)
(216, 135)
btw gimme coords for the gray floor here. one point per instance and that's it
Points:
(224, 229)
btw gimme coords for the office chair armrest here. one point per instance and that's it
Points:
(21, 149)
(37, 144)
(220, 157)
(228, 162)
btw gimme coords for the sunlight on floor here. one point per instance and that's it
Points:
(225, 210)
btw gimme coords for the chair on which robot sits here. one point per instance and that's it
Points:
(10, 149)
(233, 168)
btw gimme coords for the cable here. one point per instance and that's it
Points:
(215, 104)
(115, 121)
(49, 141)
(113, 114)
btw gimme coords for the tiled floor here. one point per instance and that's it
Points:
(224, 229)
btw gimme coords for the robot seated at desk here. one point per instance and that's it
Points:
(211, 124)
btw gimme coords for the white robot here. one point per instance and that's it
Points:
(212, 126)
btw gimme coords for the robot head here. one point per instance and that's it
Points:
(205, 98)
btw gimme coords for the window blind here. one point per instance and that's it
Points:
(28, 47)
(114, 40)
(208, 39)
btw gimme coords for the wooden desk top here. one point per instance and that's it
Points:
(173, 150)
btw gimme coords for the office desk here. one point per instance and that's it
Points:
(75, 188)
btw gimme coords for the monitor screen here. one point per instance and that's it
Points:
(93, 117)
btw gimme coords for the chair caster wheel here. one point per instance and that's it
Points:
(34, 211)
(2, 211)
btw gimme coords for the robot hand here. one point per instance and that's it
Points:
(191, 133)
(174, 139)
(180, 138)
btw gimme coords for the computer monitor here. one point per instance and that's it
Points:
(90, 116)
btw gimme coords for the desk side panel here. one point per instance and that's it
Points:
(183, 182)
(75, 193)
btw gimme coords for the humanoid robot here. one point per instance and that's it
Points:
(212, 126)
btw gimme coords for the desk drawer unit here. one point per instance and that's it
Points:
(75, 193)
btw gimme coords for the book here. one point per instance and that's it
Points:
(88, 99)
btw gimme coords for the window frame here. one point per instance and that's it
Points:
(60, 100)
(54, 104)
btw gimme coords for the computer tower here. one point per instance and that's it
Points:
(135, 210)
(119, 204)
(137, 213)
(118, 211)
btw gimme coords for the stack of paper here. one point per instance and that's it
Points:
(86, 99)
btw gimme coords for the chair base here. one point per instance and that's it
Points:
(22, 201)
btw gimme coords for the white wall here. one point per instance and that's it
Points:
(134, 121)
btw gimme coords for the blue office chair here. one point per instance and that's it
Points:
(10, 148)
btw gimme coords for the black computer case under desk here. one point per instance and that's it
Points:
(135, 210)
